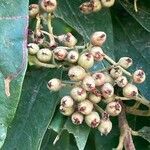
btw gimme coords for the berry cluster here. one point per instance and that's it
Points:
(95, 5)
(90, 89)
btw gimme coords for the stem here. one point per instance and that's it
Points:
(121, 98)
(114, 63)
(125, 139)
(138, 112)
(38, 22)
(135, 6)
(98, 108)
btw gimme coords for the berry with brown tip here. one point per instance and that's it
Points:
(99, 78)
(33, 10)
(88, 83)
(78, 94)
(73, 56)
(130, 91)
(86, 60)
(113, 108)
(67, 101)
(125, 62)
(96, 5)
(54, 84)
(121, 81)
(97, 53)
(66, 111)
(105, 126)
(107, 90)
(77, 118)
(48, 6)
(139, 76)
(92, 119)
(44, 55)
(33, 48)
(86, 8)
(98, 38)
(85, 107)
(60, 53)
(76, 73)
(116, 72)
(67, 39)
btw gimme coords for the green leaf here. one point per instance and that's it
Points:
(13, 58)
(80, 133)
(145, 133)
(142, 16)
(35, 111)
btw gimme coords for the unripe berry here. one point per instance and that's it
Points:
(60, 53)
(33, 10)
(77, 118)
(92, 119)
(121, 81)
(113, 108)
(125, 62)
(78, 94)
(98, 38)
(88, 83)
(67, 101)
(107, 90)
(116, 72)
(96, 5)
(99, 78)
(86, 8)
(76, 73)
(105, 126)
(108, 79)
(48, 6)
(66, 111)
(72, 56)
(54, 84)
(67, 39)
(33, 48)
(85, 107)
(107, 3)
(139, 76)
(94, 98)
(130, 91)
(97, 53)
(86, 60)
(44, 55)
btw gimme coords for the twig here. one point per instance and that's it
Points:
(135, 6)
(98, 108)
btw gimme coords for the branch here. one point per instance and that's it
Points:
(125, 139)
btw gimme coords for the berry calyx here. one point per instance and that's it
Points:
(139, 76)
(116, 72)
(72, 56)
(96, 5)
(77, 118)
(48, 6)
(121, 81)
(99, 78)
(125, 62)
(33, 10)
(113, 108)
(85, 107)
